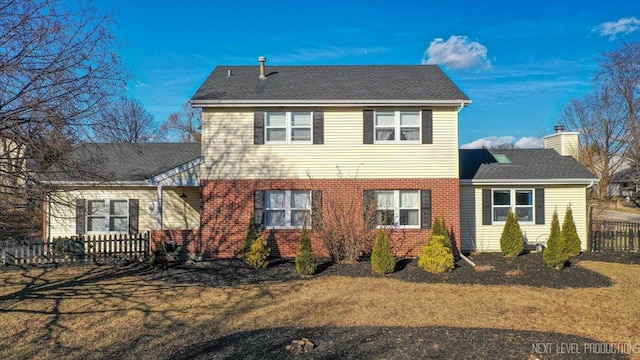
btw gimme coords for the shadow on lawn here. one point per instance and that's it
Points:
(363, 342)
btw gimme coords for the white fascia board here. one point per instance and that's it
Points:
(143, 183)
(177, 170)
(326, 103)
(503, 182)
(560, 133)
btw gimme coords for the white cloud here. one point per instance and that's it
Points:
(612, 29)
(501, 141)
(457, 53)
(529, 143)
(489, 142)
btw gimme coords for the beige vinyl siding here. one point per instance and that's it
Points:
(487, 237)
(177, 213)
(229, 151)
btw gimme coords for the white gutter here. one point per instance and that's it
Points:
(529, 182)
(99, 183)
(328, 103)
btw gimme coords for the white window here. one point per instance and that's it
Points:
(105, 216)
(397, 126)
(398, 208)
(519, 201)
(287, 208)
(284, 127)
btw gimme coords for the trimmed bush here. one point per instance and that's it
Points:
(252, 235)
(258, 254)
(439, 227)
(436, 258)
(512, 239)
(382, 260)
(570, 234)
(305, 260)
(555, 255)
(440, 240)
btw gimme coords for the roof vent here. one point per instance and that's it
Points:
(262, 61)
(558, 128)
(229, 73)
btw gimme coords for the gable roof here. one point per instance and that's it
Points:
(123, 162)
(329, 84)
(524, 166)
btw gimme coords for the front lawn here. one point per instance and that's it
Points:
(224, 310)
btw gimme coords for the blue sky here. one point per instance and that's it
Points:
(518, 61)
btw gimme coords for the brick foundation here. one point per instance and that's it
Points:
(227, 207)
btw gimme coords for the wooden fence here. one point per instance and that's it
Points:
(74, 249)
(614, 236)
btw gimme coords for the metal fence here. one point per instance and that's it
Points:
(74, 249)
(614, 236)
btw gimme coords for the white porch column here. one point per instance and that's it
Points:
(159, 206)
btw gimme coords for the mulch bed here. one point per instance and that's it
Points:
(527, 269)
(370, 342)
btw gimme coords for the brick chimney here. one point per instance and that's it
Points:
(566, 143)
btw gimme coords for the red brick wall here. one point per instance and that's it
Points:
(227, 207)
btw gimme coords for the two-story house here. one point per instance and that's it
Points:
(281, 144)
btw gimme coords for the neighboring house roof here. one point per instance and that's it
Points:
(123, 162)
(329, 84)
(628, 175)
(512, 166)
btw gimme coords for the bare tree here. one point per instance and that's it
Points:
(57, 70)
(620, 73)
(600, 119)
(186, 124)
(126, 121)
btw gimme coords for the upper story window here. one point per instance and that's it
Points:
(287, 208)
(105, 216)
(519, 201)
(398, 208)
(397, 126)
(285, 127)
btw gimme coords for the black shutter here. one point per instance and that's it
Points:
(539, 206)
(427, 126)
(81, 215)
(134, 206)
(318, 127)
(258, 208)
(316, 209)
(369, 195)
(258, 127)
(425, 205)
(486, 207)
(367, 127)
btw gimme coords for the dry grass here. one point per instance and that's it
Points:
(86, 313)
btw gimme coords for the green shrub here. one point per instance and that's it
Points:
(570, 234)
(258, 254)
(441, 240)
(252, 235)
(305, 260)
(555, 255)
(512, 239)
(382, 260)
(439, 227)
(436, 258)
(158, 259)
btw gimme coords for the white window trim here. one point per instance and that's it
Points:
(397, 208)
(287, 209)
(107, 217)
(512, 205)
(397, 127)
(288, 127)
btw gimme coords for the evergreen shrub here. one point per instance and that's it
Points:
(382, 260)
(305, 259)
(512, 239)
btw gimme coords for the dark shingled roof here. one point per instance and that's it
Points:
(346, 82)
(526, 164)
(128, 162)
